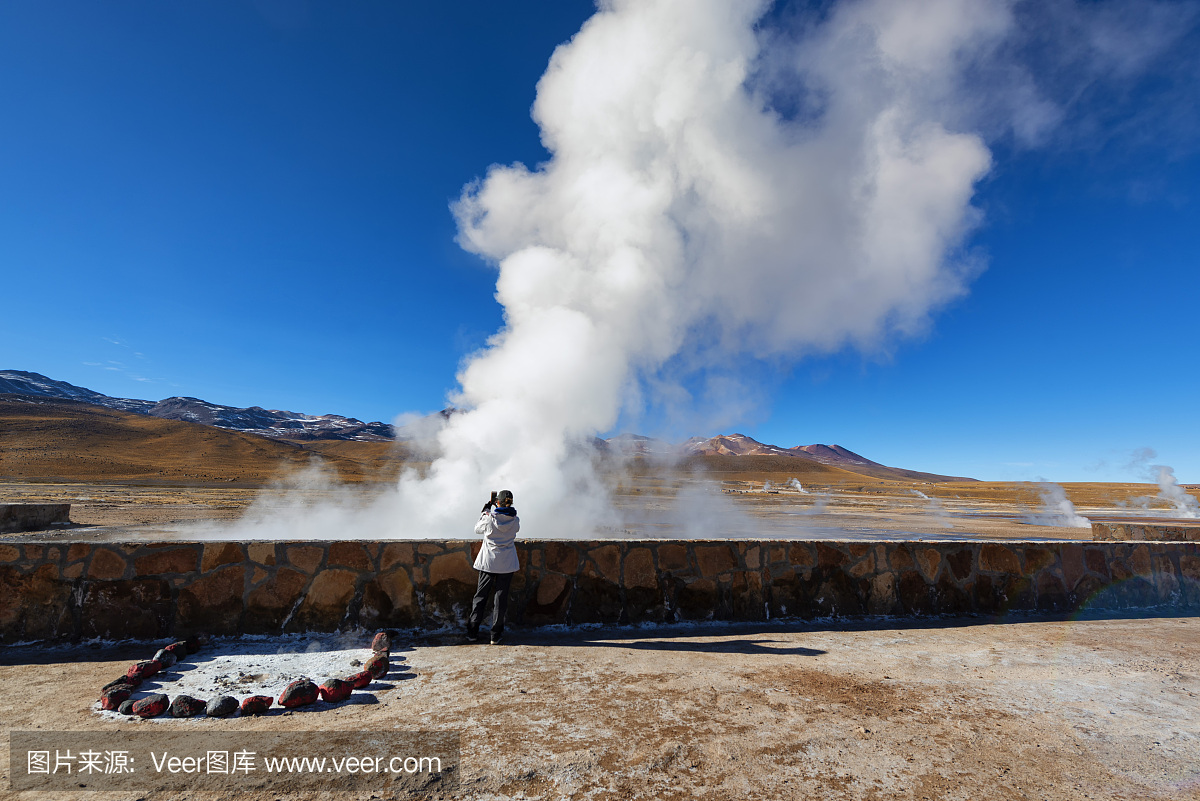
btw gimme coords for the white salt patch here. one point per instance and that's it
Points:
(256, 665)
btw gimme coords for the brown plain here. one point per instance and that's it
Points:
(78, 442)
(119, 468)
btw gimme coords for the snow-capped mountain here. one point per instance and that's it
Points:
(273, 423)
(19, 382)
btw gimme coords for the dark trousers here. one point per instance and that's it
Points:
(496, 584)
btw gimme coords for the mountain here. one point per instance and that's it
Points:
(742, 445)
(271, 423)
(46, 438)
(835, 454)
(297, 427)
(727, 445)
(732, 445)
(19, 382)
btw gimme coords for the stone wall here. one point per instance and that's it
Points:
(1143, 530)
(33, 516)
(65, 591)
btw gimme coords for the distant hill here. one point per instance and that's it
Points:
(271, 423)
(54, 438)
(739, 446)
(298, 437)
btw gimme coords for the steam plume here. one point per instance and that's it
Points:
(1185, 505)
(719, 186)
(935, 508)
(681, 217)
(1169, 490)
(1057, 509)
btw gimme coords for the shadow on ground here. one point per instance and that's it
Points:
(745, 638)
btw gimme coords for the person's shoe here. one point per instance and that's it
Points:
(497, 637)
(472, 634)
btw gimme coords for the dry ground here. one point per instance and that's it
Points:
(144, 475)
(1096, 709)
(720, 505)
(137, 505)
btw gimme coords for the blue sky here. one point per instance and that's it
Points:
(249, 203)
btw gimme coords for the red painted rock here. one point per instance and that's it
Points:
(360, 679)
(140, 671)
(179, 649)
(126, 707)
(300, 692)
(165, 658)
(111, 699)
(256, 704)
(382, 643)
(222, 707)
(377, 666)
(335, 690)
(151, 706)
(185, 706)
(196, 642)
(124, 681)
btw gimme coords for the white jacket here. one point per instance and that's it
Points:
(498, 554)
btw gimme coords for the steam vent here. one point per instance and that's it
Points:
(54, 590)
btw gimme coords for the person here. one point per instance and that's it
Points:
(496, 563)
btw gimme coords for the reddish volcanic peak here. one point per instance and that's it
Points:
(732, 445)
(829, 455)
(835, 454)
(742, 445)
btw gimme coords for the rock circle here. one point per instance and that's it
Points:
(115, 696)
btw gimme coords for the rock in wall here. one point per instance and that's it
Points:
(1140, 530)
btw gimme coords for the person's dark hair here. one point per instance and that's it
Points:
(504, 498)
